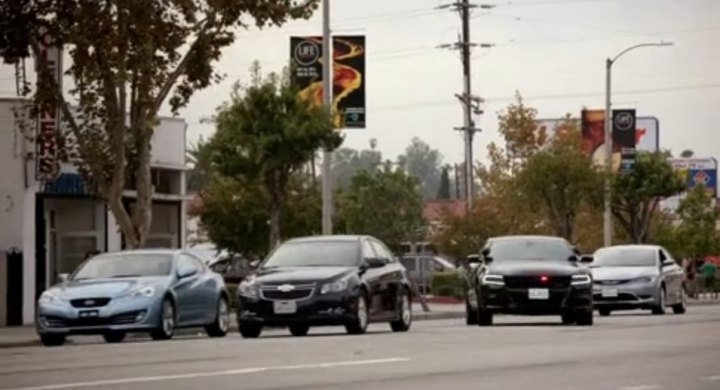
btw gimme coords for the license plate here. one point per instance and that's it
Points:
(538, 293)
(609, 293)
(284, 307)
(89, 314)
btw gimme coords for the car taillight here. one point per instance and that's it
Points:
(544, 279)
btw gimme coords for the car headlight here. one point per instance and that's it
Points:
(144, 291)
(493, 280)
(334, 287)
(581, 280)
(248, 289)
(644, 279)
(48, 297)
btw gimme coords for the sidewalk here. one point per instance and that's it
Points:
(23, 336)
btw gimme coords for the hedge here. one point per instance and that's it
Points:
(448, 284)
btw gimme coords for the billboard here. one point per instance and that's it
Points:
(348, 76)
(47, 164)
(624, 138)
(695, 171)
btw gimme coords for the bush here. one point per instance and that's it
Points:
(232, 291)
(448, 284)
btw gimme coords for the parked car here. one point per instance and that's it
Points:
(154, 291)
(630, 277)
(529, 275)
(421, 268)
(233, 268)
(347, 281)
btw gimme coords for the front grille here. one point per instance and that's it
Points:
(535, 282)
(120, 319)
(609, 282)
(90, 302)
(620, 297)
(275, 293)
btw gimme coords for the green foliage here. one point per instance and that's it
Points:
(347, 162)
(448, 284)
(235, 214)
(698, 224)
(199, 176)
(444, 189)
(636, 196)
(386, 204)
(128, 59)
(265, 133)
(560, 178)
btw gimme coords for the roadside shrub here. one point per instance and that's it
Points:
(448, 284)
(232, 291)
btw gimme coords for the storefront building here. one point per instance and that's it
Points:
(46, 228)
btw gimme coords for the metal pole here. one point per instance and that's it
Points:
(465, 10)
(608, 222)
(327, 95)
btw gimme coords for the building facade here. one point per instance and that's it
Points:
(46, 228)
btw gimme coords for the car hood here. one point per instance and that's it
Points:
(533, 267)
(300, 274)
(622, 273)
(106, 288)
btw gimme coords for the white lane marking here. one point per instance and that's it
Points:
(124, 381)
(711, 378)
(640, 387)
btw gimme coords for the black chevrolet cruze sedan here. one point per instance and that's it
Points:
(529, 275)
(346, 281)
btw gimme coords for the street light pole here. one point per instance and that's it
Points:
(607, 216)
(327, 97)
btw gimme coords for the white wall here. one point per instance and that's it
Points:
(168, 143)
(12, 188)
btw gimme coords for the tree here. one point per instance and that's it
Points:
(444, 189)
(423, 162)
(697, 231)
(348, 161)
(199, 176)
(560, 179)
(236, 217)
(265, 133)
(636, 196)
(128, 59)
(386, 204)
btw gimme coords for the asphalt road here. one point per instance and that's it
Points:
(622, 352)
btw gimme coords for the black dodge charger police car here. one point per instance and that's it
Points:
(529, 275)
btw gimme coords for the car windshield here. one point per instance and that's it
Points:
(124, 265)
(530, 249)
(315, 254)
(624, 257)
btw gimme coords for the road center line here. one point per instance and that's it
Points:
(712, 378)
(240, 371)
(640, 387)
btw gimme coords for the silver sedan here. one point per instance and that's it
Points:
(630, 277)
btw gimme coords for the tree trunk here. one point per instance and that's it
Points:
(142, 214)
(274, 226)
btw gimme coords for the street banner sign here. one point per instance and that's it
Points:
(624, 138)
(348, 81)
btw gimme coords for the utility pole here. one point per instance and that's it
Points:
(470, 103)
(327, 201)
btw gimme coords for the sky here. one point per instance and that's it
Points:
(551, 51)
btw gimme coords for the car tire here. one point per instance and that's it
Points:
(250, 330)
(220, 326)
(585, 317)
(569, 317)
(484, 317)
(166, 329)
(405, 315)
(660, 308)
(299, 330)
(52, 340)
(681, 307)
(114, 337)
(359, 323)
(604, 312)
(471, 316)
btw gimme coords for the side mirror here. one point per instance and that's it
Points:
(375, 262)
(186, 272)
(62, 278)
(254, 264)
(668, 263)
(586, 259)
